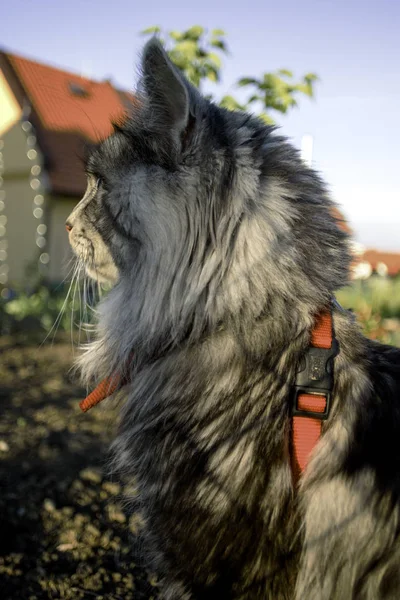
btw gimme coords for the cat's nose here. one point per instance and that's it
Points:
(68, 226)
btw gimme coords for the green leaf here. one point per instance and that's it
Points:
(219, 44)
(194, 33)
(305, 88)
(231, 103)
(247, 81)
(266, 118)
(211, 73)
(311, 77)
(218, 32)
(179, 60)
(254, 98)
(215, 59)
(176, 35)
(149, 30)
(285, 72)
(187, 48)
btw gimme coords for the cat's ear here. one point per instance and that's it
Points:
(166, 92)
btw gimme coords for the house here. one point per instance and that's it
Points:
(366, 261)
(379, 262)
(47, 116)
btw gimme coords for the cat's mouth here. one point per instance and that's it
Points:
(102, 273)
(96, 259)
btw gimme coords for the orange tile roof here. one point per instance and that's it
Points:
(58, 108)
(68, 120)
(390, 259)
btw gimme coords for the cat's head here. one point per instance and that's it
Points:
(197, 213)
(140, 178)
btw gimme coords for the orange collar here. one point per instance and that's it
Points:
(312, 391)
(106, 388)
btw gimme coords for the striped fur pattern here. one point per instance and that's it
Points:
(221, 247)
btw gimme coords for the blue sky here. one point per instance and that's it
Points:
(353, 45)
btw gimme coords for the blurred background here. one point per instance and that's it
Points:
(327, 73)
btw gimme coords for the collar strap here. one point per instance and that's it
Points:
(312, 391)
(105, 388)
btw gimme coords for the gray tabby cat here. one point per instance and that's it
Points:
(222, 248)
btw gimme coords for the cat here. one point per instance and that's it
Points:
(222, 247)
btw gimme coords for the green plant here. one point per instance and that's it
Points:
(376, 303)
(44, 308)
(197, 53)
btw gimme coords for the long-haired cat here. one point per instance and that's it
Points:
(222, 248)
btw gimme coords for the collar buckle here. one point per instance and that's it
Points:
(315, 378)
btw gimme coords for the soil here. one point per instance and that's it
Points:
(64, 529)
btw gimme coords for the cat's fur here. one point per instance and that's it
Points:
(222, 247)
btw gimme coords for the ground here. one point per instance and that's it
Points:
(64, 529)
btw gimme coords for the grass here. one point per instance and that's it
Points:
(376, 302)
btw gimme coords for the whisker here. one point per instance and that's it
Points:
(85, 316)
(73, 307)
(80, 311)
(71, 261)
(62, 310)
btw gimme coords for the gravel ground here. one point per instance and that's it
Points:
(64, 531)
